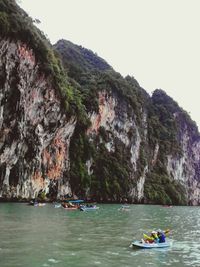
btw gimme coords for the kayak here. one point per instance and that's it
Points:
(85, 208)
(139, 244)
(57, 205)
(36, 204)
(124, 208)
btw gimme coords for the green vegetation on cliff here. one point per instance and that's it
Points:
(110, 170)
(110, 179)
(93, 74)
(162, 127)
(78, 59)
(17, 25)
(161, 189)
(164, 131)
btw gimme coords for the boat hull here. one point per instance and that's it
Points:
(70, 208)
(139, 244)
(88, 208)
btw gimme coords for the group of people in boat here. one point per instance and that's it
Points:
(68, 205)
(155, 237)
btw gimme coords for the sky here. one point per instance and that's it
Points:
(156, 41)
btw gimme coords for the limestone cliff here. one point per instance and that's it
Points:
(35, 133)
(185, 167)
(146, 149)
(179, 168)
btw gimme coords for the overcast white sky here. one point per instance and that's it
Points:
(156, 41)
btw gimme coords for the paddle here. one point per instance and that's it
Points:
(167, 231)
(147, 237)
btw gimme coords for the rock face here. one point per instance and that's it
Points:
(183, 167)
(35, 133)
(132, 157)
(186, 167)
(116, 119)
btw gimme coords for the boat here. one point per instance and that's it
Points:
(57, 205)
(75, 201)
(140, 244)
(88, 207)
(124, 208)
(36, 204)
(41, 204)
(69, 206)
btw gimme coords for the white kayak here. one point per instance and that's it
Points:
(139, 244)
(89, 208)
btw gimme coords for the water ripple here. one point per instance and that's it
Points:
(51, 237)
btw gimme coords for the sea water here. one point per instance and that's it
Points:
(45, 236)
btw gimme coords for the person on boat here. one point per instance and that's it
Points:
(153, 238)
(161, 236)
(64, 205)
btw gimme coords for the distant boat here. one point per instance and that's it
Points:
(57, 205)
(124, 208)
(69, 206)
(88, 207)
(41, 204)
(72, 204)
(37, 204)
(76, 201)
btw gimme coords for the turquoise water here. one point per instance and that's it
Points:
(46, 237)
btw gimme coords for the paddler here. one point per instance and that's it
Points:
(161, 236)
(153, 238)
